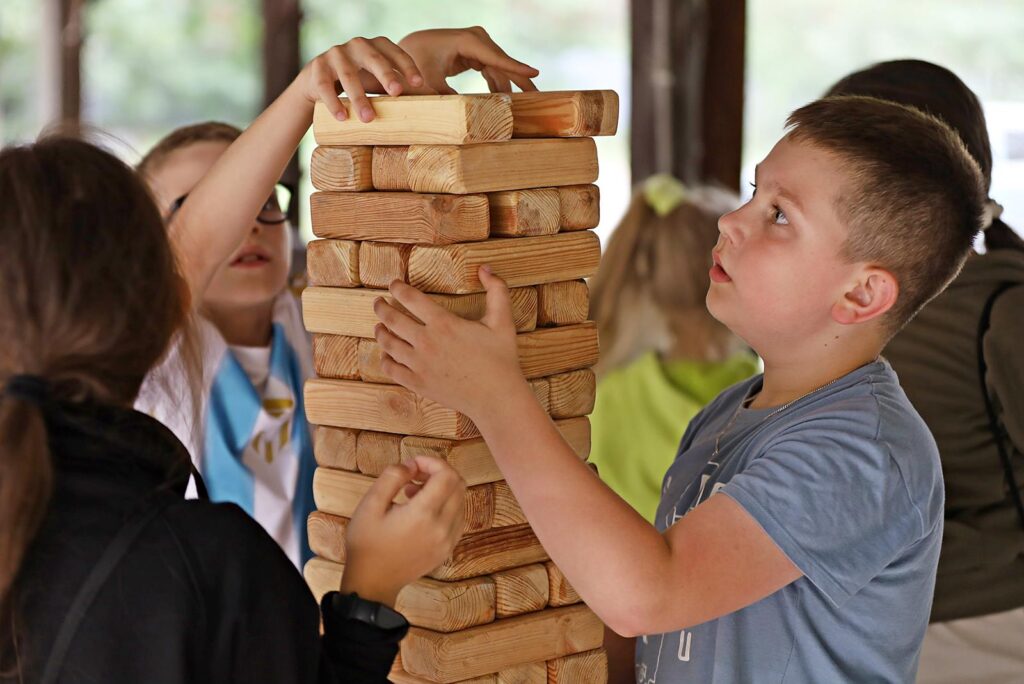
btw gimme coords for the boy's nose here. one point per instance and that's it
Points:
(729, 227)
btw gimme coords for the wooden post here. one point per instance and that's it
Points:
(61, 94)
(687, 93)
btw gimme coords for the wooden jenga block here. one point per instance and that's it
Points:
(472, 458)
(400, 676)
(564, 303)
(382, 263)
(333, 262)
(506, 507)
(493, 167)
(384, 408)
(335, 448)
(338, 492)
(520, 590)
(339, 311)
(572, 394)
(327, 535)
(342, 169)
(491, 551)
(375, 451)
(524, 213)
(545, 635)
(530, 673)
(550, 351)
(427, 119)
(438, 606)
(561, 114)
(579, 668)
(454, 269)
(404, 217)
(389, 168)
(580, 207)
(370, 357)
(336, 356)
(559, 590)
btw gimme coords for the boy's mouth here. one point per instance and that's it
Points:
(717, 273)
(250, 257)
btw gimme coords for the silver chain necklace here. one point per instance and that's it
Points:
(736, 413)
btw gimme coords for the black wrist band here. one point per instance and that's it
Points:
(353, 607)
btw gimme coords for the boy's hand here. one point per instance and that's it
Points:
(389, 545)
(466, 365)
(360, 66)
(442, 53)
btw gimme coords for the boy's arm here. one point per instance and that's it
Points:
(222, 207)
(714, 561)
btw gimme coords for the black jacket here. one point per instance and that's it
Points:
(204, 594)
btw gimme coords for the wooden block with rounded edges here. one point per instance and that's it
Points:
(524, 213)
(454, 269)
(530, 673)
(520, 590)
(347, 168)
(340, 311)
(491, 551)
(382, 263)
(383, 408)
(338, 492)
(572, 394)
(400, 676)
(493, 167)
(426, 119)
(579, 668)
(438, 606)
(333, 262)
(563, 303)
(472, 458)
(327, 535)
(336, 356)
(580, 207)
(560, 592)
(506, 507)
(404, 217)
(562, 114)
(550, 351)
(335, 448)
(390, 171)
(375, 451)
(544, 635)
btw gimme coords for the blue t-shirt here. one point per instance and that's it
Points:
(847, 482)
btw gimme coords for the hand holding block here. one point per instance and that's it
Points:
(454, 269)
(333, 262)
(493, 167)
(342, 169)
(477, 651)
(562, 114)
(412, 119)
(405, 217)
(524, 213)
(440, 606)
(338, 311)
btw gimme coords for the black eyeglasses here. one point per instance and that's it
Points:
(274, 211)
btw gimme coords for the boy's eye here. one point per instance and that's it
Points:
(780, 217)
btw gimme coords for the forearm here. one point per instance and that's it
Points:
(221, 209)
(617, 561)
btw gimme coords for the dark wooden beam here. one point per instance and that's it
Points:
(61, 75)
(687, 89)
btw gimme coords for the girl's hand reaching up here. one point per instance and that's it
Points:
(387, 544)
(442, 53)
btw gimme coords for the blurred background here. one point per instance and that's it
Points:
(705, 85)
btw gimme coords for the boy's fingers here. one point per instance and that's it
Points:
(348, 75)
(401, 59)
(438, 487)
(480, 47)
(395, 347)
(371, 59)
(499, 304)
(524, 83)
(325, 81)
(397, 322)
(418, 304)
(501, 82)
(399, 373)
(383, 491)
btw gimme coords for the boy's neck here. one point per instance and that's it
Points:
(243, 326)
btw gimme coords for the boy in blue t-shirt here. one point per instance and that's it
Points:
(799, 529)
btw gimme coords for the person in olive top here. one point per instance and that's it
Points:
(977, 630)
(664, 357)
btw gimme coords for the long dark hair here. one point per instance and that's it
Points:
(90, 298)
(939, 92)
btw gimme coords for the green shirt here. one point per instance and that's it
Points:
(641, 413)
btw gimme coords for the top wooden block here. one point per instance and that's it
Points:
(565, 114)
(419, 119)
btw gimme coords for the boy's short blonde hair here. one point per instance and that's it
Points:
(916, 198)
(207, 131)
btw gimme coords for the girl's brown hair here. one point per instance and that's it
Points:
(90, 298)
(649, 291)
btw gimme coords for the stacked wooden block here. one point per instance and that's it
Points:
(430, 190)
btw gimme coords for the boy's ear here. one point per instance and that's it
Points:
(870, 296)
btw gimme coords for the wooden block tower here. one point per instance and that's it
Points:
(430, 190)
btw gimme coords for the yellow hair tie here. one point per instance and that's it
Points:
(664, 192)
